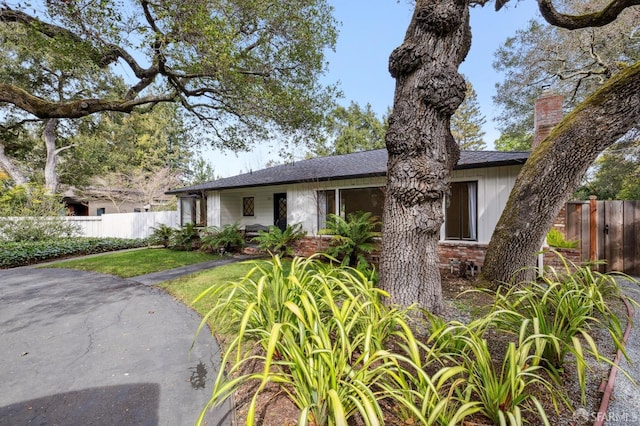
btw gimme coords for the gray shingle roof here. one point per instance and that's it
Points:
(348, 166)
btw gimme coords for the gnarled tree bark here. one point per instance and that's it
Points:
(421, 150)
(554, 171)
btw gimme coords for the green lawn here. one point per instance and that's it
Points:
(187, 288)
(136, 262)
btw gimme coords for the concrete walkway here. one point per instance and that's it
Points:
(81, 348)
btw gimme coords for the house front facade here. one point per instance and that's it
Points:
(307, 191)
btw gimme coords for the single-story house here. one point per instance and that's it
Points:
(306, 191)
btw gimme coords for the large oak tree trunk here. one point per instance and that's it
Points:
(554, 171)
(422, 151)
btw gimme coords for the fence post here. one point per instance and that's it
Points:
(593, 228)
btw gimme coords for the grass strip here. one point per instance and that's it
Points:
(136, 262)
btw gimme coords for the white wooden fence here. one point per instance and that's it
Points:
(122, 225)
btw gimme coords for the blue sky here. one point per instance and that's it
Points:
(370, 30)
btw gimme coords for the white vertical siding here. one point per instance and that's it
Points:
(231, 205)
(301, 202)
(304, 205)
(494, 187)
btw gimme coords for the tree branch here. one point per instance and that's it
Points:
(604, 16)
(111, 52)
(43, 108)
(9, 15)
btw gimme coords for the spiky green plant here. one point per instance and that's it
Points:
(228, 238)
(445, 341)
(279, 242)
(161, 235)
(504, 394)
(442, 398)
(556, 239)
(563, 306)
(353, 238)
(322, 331)
(185, 238)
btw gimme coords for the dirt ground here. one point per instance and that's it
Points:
(275, 408)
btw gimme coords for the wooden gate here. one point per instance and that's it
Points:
(615, 227)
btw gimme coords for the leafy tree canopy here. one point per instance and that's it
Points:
(514, 142)
(104, 143)
(201, 171)
(573, 62)
(245, 68)
(616, 173)
(351, 129)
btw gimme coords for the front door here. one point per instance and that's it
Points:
(280, 210)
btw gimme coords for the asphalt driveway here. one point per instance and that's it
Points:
(81, 348)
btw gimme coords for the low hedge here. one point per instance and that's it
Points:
(14, 254)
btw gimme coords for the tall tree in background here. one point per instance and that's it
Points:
(245, 69)
(514, 141)
(467, 122)
(351, 129)
(201, 171)
(355, 128)
(116, 142)
(94, 146)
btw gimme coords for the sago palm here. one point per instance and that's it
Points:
(352, 238)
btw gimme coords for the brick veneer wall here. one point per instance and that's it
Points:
(547, 113)
(572, 256)
(560, 223)
(457, 251)
(447, 250)
(311, 245)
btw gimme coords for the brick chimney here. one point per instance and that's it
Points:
(548, 113)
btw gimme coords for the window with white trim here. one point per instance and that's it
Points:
(461, 215)
(351, 200)
(326, 206)
(193, 209)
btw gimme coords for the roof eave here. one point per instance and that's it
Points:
(192, 190)
(510, 162)
(196, 189)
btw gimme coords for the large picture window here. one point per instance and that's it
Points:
(193, 209)
(370, 200)
(461, 220)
